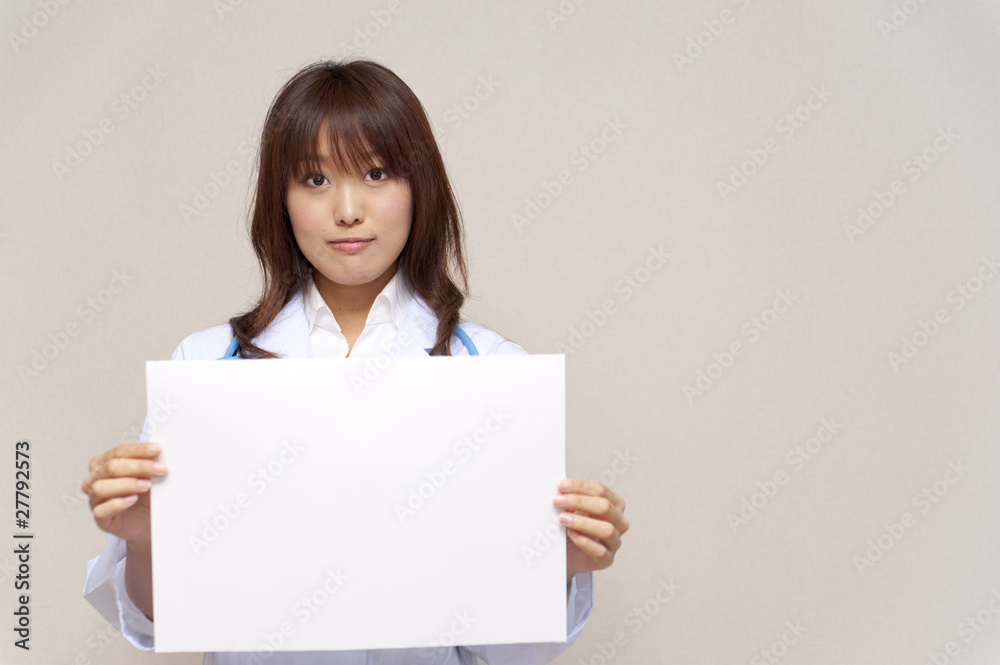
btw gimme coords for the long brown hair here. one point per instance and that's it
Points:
(370, 118)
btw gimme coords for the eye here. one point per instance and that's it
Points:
(377, 175)
(314, 179)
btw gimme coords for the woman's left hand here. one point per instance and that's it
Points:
(594, 518)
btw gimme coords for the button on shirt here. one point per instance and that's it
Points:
(384, 319)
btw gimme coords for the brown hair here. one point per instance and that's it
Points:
(368, 113)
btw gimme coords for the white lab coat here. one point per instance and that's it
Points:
(288, 335)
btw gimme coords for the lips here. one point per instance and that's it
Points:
(351, 244)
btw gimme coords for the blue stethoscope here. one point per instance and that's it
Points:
(459, 333)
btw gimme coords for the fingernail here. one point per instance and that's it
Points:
(565, 519)
(152, 448)
(132, 499)
(143, 484)
(159, 467)
(565, 485)
(560, 501)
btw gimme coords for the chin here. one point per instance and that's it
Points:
(352, 279)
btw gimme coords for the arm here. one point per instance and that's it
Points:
(139, 575)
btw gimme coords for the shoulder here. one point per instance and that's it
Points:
(207, 344)
(421, 323)
(287, 335)
(490, 343)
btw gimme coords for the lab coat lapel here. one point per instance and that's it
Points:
(288, 334)
(418, 331)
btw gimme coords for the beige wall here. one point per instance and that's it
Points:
(883, 95)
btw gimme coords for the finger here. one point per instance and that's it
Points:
(146, 449)
(593, 505)
(102, 490)
(123, 467)
(112, 507)
(590, 488)
(602, 556)
(605, 532)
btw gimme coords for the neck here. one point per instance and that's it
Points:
(351, 301)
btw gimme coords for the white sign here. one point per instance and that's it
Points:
(375, 503)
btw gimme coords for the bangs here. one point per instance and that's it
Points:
(344, 123)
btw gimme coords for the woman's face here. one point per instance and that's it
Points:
(351, 227)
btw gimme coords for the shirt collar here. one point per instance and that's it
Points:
(389, 307)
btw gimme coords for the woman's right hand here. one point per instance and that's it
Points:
(118, 486)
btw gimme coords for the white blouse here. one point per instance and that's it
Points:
(386, 315)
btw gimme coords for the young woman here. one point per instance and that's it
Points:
(360, 242)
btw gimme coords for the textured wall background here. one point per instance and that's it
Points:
(765, 234)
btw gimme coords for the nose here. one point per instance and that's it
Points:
(348, 203)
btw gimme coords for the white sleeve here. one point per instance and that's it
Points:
(105, 590)
(581, 602)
